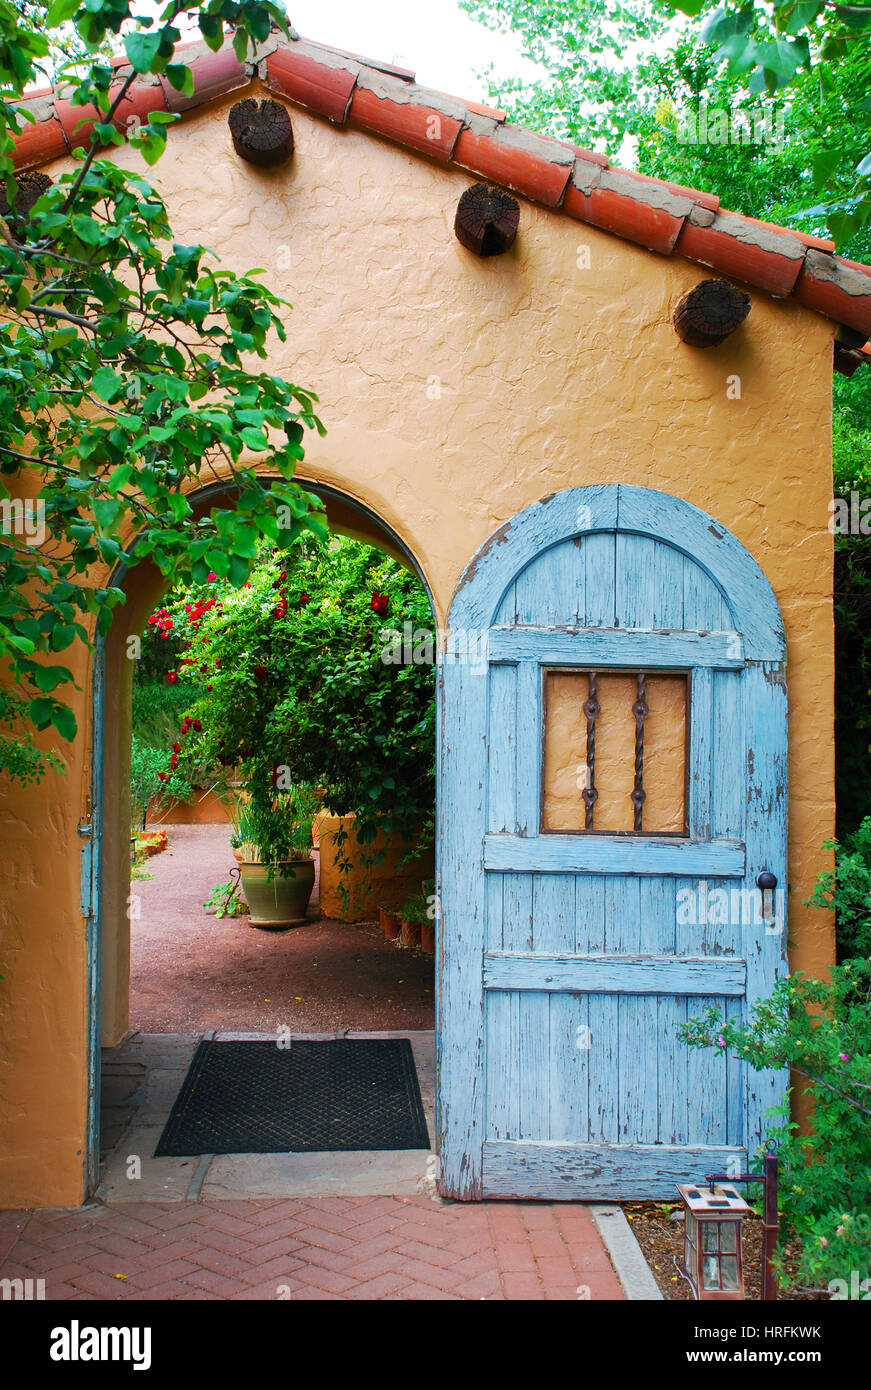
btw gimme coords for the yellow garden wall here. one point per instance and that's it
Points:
(456, 391)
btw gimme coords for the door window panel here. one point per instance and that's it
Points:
(615, 752)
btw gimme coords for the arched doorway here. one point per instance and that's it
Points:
(105, 837)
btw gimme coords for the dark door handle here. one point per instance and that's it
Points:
(767, 881)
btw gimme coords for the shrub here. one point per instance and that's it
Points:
(415, 910)
(289, 682)
(822, 1032)
(847, 891)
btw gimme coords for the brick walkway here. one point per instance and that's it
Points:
(314, 1247)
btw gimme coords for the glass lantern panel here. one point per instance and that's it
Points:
(709, 1235)
(729, 1237)
(711, 1272)
(729, 1271)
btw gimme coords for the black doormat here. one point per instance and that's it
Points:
(311, 1097)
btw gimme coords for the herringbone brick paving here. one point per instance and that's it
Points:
(310, 1248)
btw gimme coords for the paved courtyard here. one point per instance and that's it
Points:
(310, 1248)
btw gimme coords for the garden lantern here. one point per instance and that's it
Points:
(713, 1218)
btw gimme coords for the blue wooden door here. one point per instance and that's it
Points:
(571, 948)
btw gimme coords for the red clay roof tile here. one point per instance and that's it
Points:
(771, 263)
(409, 123)
(381, 98)
(511, 163)
(319, 87)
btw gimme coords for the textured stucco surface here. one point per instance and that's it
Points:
(456, 391)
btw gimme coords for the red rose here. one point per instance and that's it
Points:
(261, 672)
(172, 677)
(304, 599)
(152, 620)
(176, 748)
(197, 725)
(379, 602)
(162, 776)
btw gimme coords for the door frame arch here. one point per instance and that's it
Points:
(94, 847)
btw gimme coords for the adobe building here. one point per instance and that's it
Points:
(626, 520)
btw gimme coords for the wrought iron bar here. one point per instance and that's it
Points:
(591, 708)
(641, 710)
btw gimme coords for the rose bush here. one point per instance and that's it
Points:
(287, 683)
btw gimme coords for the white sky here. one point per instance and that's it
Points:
(437, 40)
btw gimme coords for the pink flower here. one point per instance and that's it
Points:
(211, 577)
(844, 1056)
(823, 1240)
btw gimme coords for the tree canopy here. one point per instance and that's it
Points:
(128, 366)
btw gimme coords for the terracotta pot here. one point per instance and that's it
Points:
(410, 933)
(391, 924)
(279, 901)
(427, 937)
(237, 854)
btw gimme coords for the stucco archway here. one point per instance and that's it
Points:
(107, 849)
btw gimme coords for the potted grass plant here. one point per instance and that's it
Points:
(273, 844)
(414, 917)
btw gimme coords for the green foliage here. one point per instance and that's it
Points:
(289, 682)
(822, 1032)
(146, 765)
(274, 826)
(634, 69)
(124, 372)
(226, 899)
(415, 910)
(846, 890)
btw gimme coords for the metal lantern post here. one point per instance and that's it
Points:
(713, 1263)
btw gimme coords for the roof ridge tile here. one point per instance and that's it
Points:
(388, 101)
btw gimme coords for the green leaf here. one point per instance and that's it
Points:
(824, 164)
(107, 384)
(87, 230)
(142, 49)
(107, 511)
(47, 677)
(64, 721)
(60, 12)
(119, 477)
(181, 77)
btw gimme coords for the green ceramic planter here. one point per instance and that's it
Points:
(278, 902)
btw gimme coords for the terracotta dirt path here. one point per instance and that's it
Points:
(191, 971)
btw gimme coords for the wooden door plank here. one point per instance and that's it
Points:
(613, 854)
(599, 648)
(599, 1172)
(610, 973)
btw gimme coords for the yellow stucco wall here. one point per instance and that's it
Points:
(456, 391)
